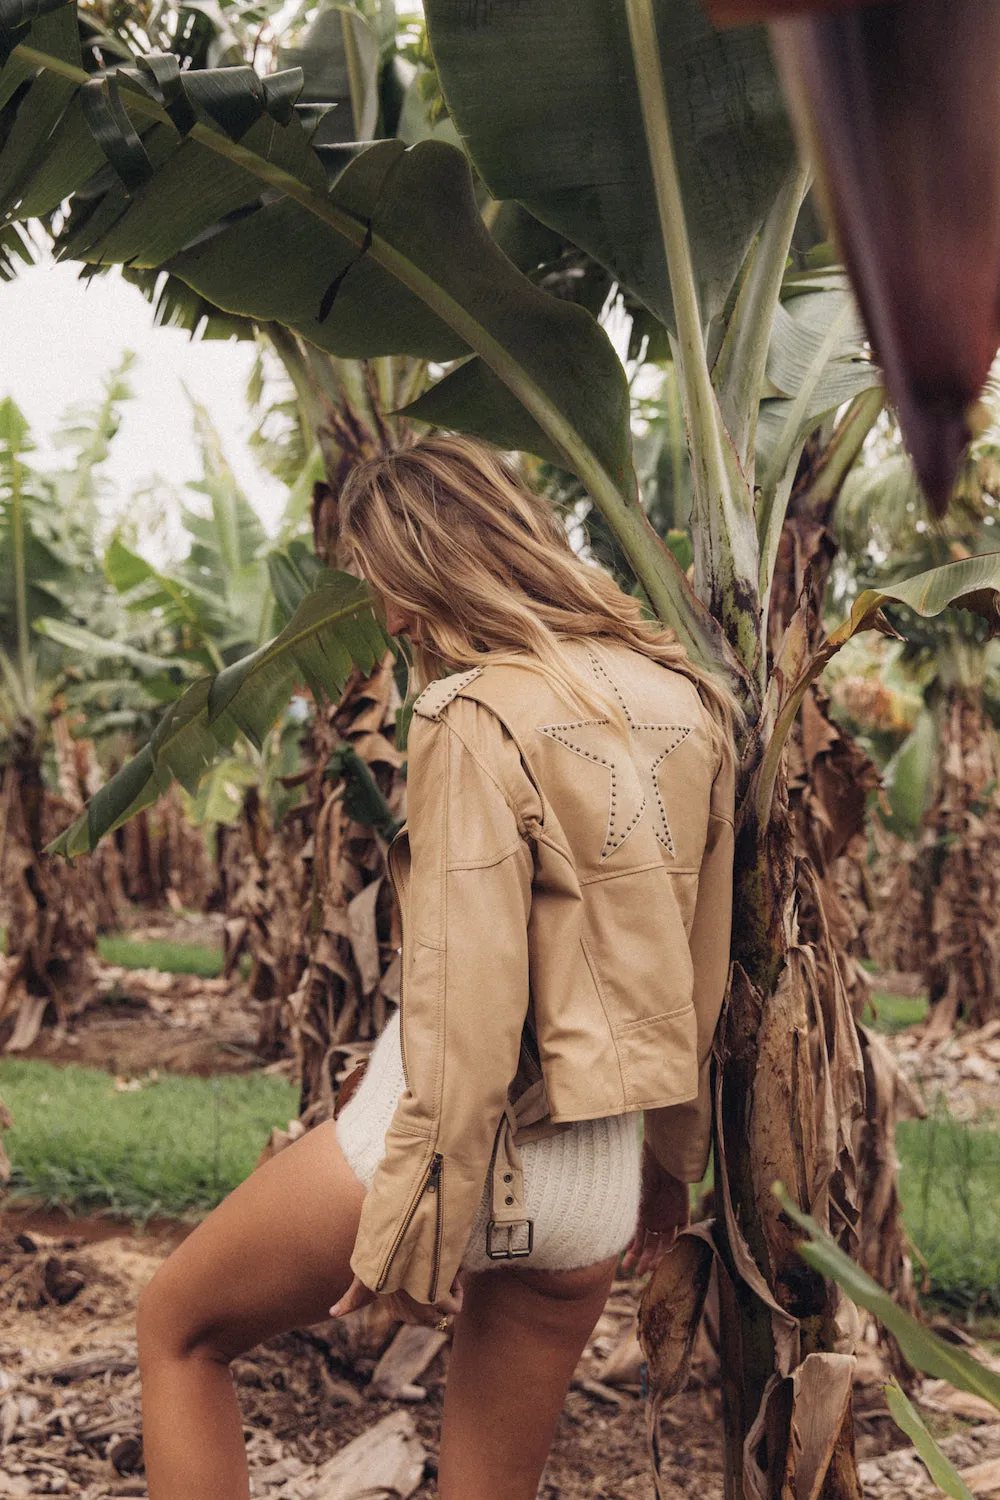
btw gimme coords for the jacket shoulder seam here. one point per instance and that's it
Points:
(473, 755)
(488, 771)
(436, 696)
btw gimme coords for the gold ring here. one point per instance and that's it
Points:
(442, 1325)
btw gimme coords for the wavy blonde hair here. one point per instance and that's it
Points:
(447, 531)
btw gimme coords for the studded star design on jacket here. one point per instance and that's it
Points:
(633, 767)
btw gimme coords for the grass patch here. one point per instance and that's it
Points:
(202, 959)
(179, 1145)
(174, 1147)
(949, 1183)
(890, 1013)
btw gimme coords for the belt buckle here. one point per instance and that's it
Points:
(509, 1251)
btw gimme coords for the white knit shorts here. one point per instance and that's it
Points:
(581, 1186)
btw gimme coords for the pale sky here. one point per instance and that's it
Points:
(58, 338)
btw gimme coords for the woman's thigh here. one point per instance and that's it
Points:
(517, 1342)
(274, 1255)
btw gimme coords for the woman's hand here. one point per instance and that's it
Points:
(664, 1209)
(401, 1304)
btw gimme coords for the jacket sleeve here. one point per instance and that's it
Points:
(464, 997)
(680, 1134)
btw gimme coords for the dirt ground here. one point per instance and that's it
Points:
(70, 1416)
(143, 1019)
(70, 1420)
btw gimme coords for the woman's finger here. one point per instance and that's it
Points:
(655, 1244)
(357, 1295)
(632, 1252)
(449, 1306)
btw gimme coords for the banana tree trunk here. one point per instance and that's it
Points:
(51, 905)
(792, 1065)
(351, 965)
(265, 882)
(790, 1091)
(958, 867)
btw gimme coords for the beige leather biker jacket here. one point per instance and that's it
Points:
(566, 902)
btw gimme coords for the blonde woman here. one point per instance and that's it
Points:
(564, 881)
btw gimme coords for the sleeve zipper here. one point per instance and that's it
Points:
(435, 1184)
(431, 1183)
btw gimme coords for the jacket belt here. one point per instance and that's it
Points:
(510, 1233)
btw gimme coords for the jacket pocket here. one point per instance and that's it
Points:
(659, 1058)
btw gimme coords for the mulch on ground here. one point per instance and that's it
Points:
(70, 1414)
(145, 1019)
(960, 1069)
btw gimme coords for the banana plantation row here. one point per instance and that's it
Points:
(405, 253)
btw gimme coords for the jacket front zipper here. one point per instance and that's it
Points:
(431, 1184)
(394, 878)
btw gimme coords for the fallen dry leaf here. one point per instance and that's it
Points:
(984, 1478)
(407, 1357)
(938, 1395)
(389, 1457)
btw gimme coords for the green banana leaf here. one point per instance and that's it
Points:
(544, 95)
(972, 583)
(394, 258)
(333, 630)
(221, 793)
(339, 58)
(14, 247)
(293, 571)
(350, 86)
(34, 571)
(42, 108)
(938, 1465)
(816, 362)
(196, 612)
(924, 1349)
(97, 647)
(390, 257)
(908, 775)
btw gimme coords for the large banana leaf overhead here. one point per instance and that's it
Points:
(219, 177)
(370, 249)
(544, 93)
(364, 249)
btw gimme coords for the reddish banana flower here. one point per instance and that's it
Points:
(900, 104)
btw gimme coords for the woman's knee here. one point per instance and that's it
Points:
(168, 1326)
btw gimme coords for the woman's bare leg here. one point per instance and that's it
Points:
(517, 1342)
(274, 1255)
